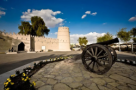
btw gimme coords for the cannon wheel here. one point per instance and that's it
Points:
(97, 58)
(114, 54)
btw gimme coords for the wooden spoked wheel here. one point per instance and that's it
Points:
(97, 58)
(114, 54)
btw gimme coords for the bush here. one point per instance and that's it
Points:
(134, 40)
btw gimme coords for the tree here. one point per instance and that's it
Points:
(124, 35)
(85, 41)
(133, 33)
(80, 40)
(38, 27)
(106, 37)
(25, 28)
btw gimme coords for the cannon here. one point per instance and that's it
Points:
(99, 57)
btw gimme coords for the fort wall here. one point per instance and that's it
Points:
(35, 43)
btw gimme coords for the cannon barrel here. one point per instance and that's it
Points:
(116, 40)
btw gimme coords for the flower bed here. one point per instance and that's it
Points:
(21, 81)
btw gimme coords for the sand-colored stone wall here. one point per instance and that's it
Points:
(64, 38)
(35, 43)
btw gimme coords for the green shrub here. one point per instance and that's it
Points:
(134, 40)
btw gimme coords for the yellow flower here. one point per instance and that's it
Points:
(12, 83)
(25, 80)
(9, 80)
(27, 77)
(34, 83)
(30, 85)
(7, 88)
(6, 83)
(22, 78)
(23, 74)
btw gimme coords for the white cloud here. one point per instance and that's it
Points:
(2, 13)
(61, 24)
(83, 16)
(47, 15)
(91, 37)
(94, 13)
(88, 12)
(132, 19)
(104, 23)
(2, 8)
(56, 33)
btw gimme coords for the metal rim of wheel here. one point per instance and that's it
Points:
(114, 54)
(97, 58)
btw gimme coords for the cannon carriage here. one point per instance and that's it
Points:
(99, 57)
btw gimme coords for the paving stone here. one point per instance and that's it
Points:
(95, 75)
(43, 79)
(65, 75)
(108, 79)
(122, 79)
(36, 76)
(133, 77)
(86, 75)
(54, 73)
(59, 77)
(124, 87)
(77, 70)
(75, 89)
(39, 83)
(51, 81)
(75, 85)
(78, 79)
(124, 74)
(85, 88)
(61, 86)
(111, 87)
(102, 87)
(114, 84)
(33, 79)
(67, 80)
(99, 81)
(46, 87)
(49, 76)
(76, 74)
(87, 82)
(132, 87)
(93, 87)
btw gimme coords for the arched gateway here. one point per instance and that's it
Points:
(21, 46)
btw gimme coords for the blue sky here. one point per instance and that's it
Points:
(90, 18)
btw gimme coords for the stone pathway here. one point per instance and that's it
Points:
(71, 75)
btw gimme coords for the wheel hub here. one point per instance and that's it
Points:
(94, 58)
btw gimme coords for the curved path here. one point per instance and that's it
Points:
(71, 75)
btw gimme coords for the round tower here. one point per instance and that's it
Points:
(64, 39)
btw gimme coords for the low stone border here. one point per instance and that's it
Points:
(127, 61)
